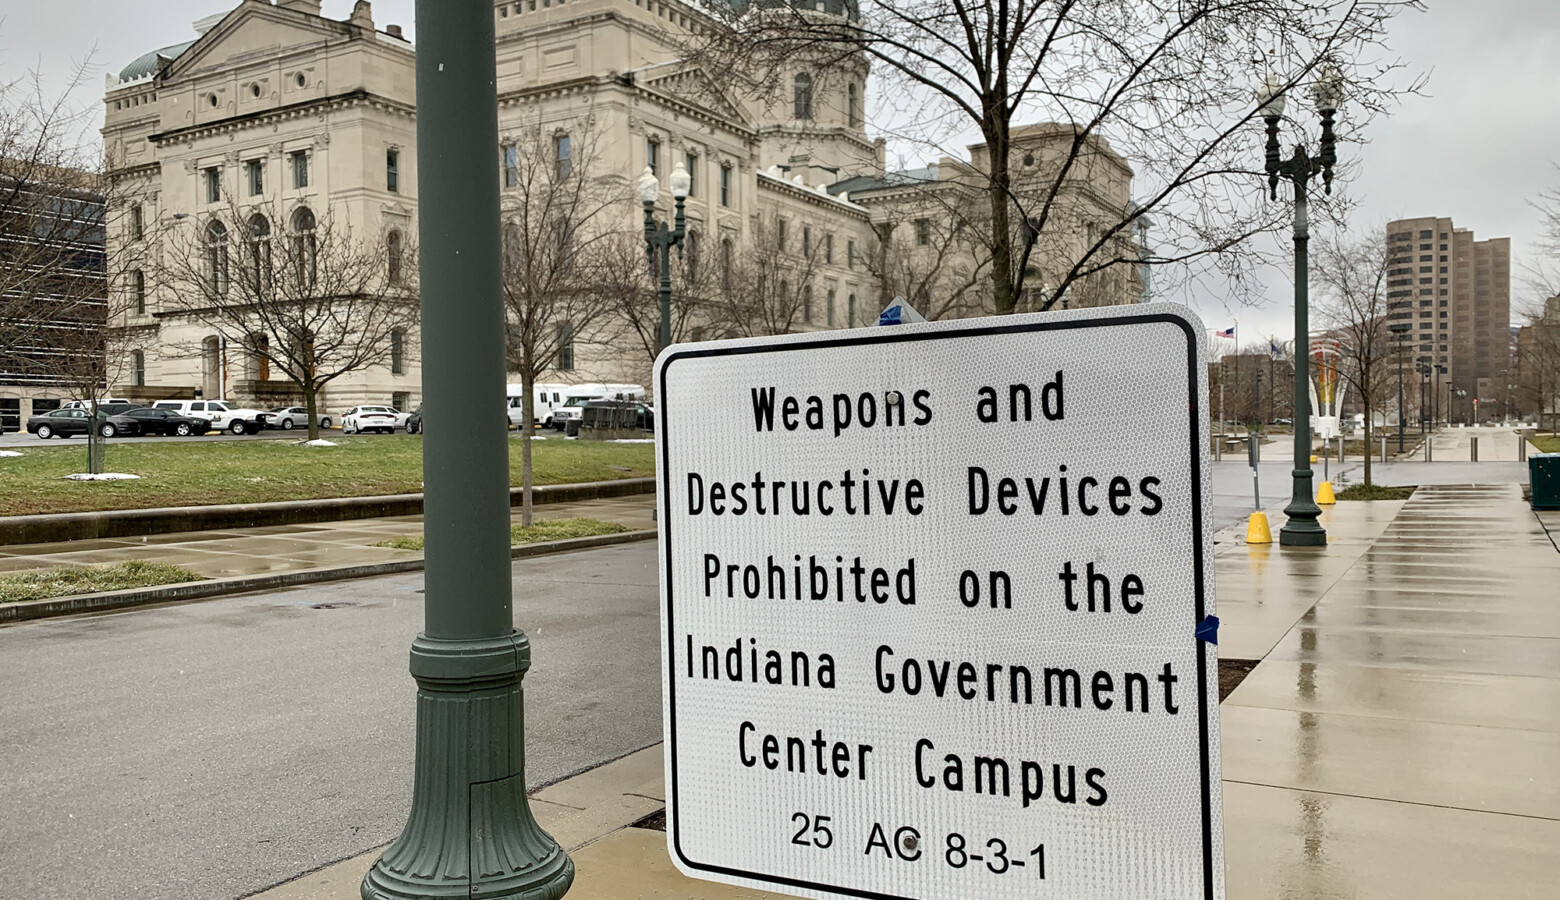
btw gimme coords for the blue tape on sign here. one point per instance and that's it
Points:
(890, 316)
(1208, 630)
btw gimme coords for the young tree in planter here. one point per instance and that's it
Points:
(1353, 308)
(564, 226)
(1168, 85)
(298, 289)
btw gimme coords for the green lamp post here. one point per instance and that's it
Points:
(470, 833)
(1302, 529)
(660, 239)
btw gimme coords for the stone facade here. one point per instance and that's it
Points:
(796, 172)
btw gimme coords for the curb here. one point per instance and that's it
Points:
(54, 607)
(50, 528)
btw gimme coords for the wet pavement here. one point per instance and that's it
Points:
(285, 548)
(1402, 739)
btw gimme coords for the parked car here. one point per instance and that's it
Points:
(104, 407)
(580, 394)
(60, 423)
(414, 421)
(289, 417)
(360, 419)
(224, 416)
(150, 420)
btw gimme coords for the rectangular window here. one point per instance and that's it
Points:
(807, 248)
(138, 291)
(511, 166)
(653, 155)
(725, 185)
(923, 232)
(565, 347)
(300, 169)
(691, 166)
(401, 400)
(780, 234)
(254, 176)
(397, 352)
(393, 171)
(829, 308)
(137, 223)
(563, 153)
(850, 254)
(213, 178)
(828, 250)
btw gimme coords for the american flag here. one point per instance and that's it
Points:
(1227, 333)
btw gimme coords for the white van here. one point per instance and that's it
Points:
(547, 396)
(578, 395)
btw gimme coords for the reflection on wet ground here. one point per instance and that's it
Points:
(1401, 737)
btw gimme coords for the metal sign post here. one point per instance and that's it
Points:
(935, 625)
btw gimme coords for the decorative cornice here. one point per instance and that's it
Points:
(358, 97)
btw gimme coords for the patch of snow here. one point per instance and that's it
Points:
(320, 443)
(9, 453)
(633, 441)
(102, 476)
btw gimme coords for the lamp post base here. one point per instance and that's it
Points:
(470, 833)
(1302, 529)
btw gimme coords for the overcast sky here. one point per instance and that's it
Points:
(1477, 146)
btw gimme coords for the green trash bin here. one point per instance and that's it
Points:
(1544, 476)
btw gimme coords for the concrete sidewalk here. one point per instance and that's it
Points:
(289, 548)
(1399, 739)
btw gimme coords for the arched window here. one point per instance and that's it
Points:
(393, 254)
(803, 96)
(829, 308)
(850, 311)
(512, 246)
(138, 367)
(397, 352)
(305, 267)
(852, 107)
(138, 291)
(725, 264)
(260, 250)
(217, 257)
(807, 306)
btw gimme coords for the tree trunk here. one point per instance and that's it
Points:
(311, 406)
(527, 415)
(1366, 397)
(996, 132)
(94, 441)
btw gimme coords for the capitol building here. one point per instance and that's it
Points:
(278, 117)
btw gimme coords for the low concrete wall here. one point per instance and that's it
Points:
(56, 527)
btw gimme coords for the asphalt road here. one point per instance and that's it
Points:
(213, 749)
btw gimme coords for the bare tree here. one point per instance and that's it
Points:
(1538, 362)
(300, 291)
(50, 213)
(1166, 84)
(931, 253)
(769, 286)
(1353, 308)
(563, 239)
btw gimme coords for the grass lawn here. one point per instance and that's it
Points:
(62, 581)
(175, 473)
(550, 530)
(1546, 443)
(1374, 492)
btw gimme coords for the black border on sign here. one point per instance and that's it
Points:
(891, 335)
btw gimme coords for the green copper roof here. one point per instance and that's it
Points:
(147, 64)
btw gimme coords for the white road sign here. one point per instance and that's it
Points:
(930, 596)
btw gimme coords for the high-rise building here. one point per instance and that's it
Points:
(1455, 293)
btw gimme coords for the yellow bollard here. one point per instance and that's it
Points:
(1313, 457)
(1324, 494)
(1257, 529)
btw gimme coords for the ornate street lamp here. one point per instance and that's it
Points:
(1302, 529)
(661, 239)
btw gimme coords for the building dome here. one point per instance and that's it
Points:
(146, 65)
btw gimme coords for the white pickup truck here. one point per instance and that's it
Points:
(224, 416)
